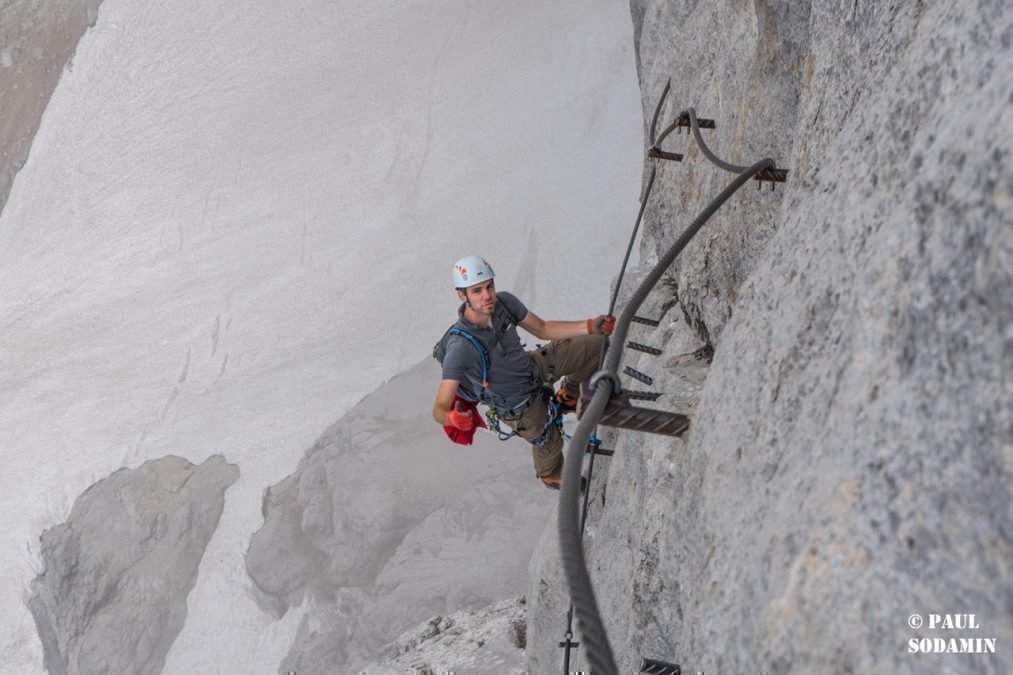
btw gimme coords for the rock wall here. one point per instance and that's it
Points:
(37, 39)
(112, 596)
(850, 460)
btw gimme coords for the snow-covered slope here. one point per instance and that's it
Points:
(236, 221)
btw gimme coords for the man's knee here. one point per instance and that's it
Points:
(595, 345)
(579, 358)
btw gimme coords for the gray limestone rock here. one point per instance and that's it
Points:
(850, 456)
(37, 39)
(489, 640)
(112, 596)
(385, 522)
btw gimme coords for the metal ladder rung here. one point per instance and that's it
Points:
(643, 395)
(644, 348)
(637, 375)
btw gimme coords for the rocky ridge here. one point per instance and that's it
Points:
(488, 640)
(112, 595)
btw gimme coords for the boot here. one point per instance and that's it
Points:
(553, 482)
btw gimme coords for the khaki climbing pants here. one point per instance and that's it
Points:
(576, 360)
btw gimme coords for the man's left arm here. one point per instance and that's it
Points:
(558, 330)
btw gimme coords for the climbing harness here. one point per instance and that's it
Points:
(554, 418)
(601, 398)
(554, 415)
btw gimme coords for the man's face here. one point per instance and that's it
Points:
(481, 297)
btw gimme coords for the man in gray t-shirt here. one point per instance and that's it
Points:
(511, 380)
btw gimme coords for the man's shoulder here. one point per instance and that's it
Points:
(458, 348)
(512, 305)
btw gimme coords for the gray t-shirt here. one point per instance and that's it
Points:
(512, 374)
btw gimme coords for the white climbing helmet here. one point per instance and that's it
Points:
(471, 270)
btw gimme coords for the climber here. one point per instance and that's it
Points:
(484, 362)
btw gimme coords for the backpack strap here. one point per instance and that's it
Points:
(513, 317)
(483, 352)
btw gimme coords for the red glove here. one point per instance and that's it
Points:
(455, 433)
(601, 325)
(459, 418)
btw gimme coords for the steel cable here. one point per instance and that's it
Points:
(657, 111)
(570, 522)
(690, 113)
(734, 168)
(612, 304)
(638, 297)
(667, 130)
(633, 237)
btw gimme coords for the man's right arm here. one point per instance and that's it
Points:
(444, 400)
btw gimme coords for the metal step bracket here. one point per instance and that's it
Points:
(702, 122)
(621, 414)
(658, 153)
(659, 667)
(773, 176)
